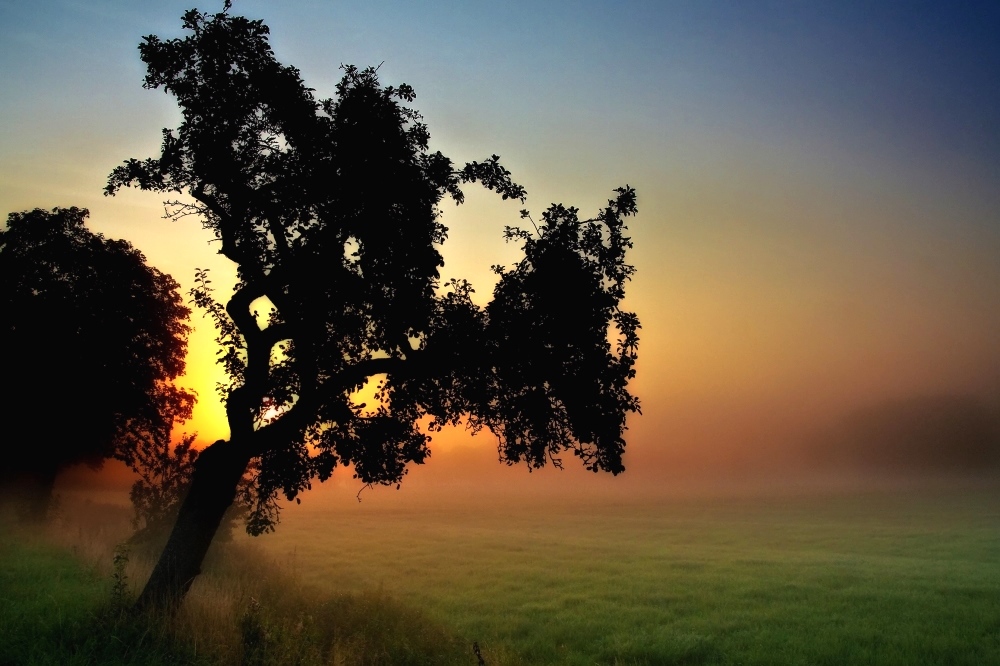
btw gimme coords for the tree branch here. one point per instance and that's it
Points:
(304, 412)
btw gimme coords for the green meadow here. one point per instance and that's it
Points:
(903, 577)
(899, 578)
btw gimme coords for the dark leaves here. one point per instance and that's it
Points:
(330, 209)
(493, 177)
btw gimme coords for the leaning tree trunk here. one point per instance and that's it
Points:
(217, 472)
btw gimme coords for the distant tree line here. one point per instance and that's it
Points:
(921, 433)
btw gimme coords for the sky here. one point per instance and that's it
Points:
(819, 183)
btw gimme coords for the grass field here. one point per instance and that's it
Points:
(893, 578)
(58, 606)
(873, 578)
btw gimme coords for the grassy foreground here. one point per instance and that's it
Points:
(894, 578)
(903, 578)
(62, 601)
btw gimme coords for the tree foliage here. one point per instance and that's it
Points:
(99, 336)
(330, 209)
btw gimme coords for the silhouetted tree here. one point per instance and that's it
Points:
(330, 210)
(93, 337)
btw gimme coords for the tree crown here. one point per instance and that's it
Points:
(102, 334)
(330, 209)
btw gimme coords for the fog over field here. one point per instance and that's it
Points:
(950, 440)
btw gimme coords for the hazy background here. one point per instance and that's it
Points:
(818, 244)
